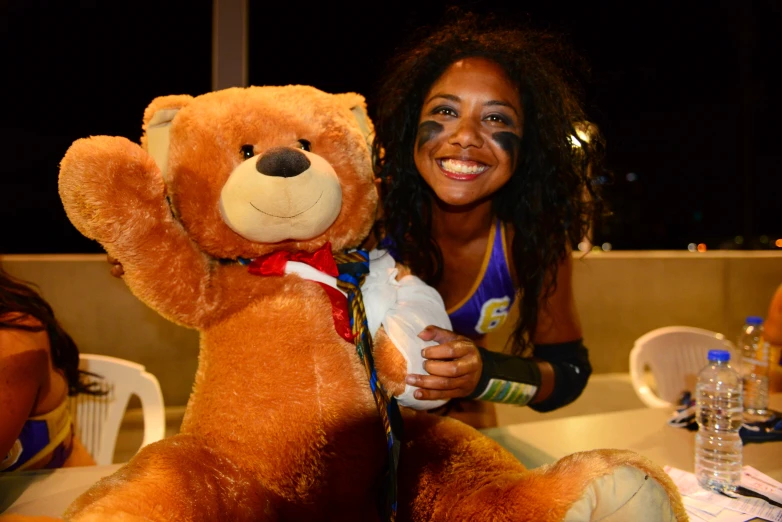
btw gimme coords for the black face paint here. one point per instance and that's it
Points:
(428, 130)
(509, 142)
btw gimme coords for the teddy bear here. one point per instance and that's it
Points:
(231, 217)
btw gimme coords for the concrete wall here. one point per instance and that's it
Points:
(624, 294)
(620, 296)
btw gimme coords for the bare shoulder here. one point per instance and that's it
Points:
(14, 341)
(24, 364)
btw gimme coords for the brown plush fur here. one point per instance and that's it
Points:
(281, 424)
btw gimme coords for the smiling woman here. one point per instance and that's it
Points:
(469, 133)
(483, 196)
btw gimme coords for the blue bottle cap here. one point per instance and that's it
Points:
(719, 355)
(754, 320)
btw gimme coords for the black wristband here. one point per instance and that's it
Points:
(570, 362)
(506, 378)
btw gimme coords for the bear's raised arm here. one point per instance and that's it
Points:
(113, 192)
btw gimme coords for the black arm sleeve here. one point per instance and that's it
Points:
(571, 372)
(506, 378)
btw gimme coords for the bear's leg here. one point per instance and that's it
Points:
(451, 472)
(176, 478)
(626, 493)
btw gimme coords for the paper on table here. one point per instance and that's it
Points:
(762, 483)
(702, 505)
(726, 515)
(691, 490)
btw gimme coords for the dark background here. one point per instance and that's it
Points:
(686, 93)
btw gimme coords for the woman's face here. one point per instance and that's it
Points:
(469, 132)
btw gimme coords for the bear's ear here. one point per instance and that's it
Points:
(358, 106)
(157, 126)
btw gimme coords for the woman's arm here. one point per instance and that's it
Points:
(558, 324)
(558, 320)
(24, 370)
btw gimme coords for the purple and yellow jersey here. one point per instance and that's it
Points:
(49, 435)
(486, 305)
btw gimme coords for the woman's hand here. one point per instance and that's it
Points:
(116, 266)
(454, 366)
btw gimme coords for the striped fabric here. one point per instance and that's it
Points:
(508, 392)
(353, 267)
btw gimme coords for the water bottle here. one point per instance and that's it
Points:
(754, 353)
(719, 409)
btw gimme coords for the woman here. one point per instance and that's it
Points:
(38, 371)
(485, 190)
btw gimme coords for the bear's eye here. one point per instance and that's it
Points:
(305, 145)
(248, 151)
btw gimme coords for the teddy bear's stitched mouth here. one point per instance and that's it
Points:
(289, 217)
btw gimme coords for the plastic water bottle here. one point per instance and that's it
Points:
(754, 352)
(719, 408)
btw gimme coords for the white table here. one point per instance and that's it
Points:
(642, 430)
(534, 443)
(47, 492)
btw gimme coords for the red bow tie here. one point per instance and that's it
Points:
(274, 263)
(322, 259)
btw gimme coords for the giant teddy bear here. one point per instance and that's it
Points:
(282, 423)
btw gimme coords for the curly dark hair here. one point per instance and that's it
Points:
(550, 199)
(18, 302)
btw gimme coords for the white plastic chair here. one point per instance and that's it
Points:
(673, 355)
(97, 419)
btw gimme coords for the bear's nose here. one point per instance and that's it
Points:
(282, 162)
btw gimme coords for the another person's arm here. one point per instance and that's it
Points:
(773, 330)
(24, 371)
(773, 322)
